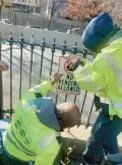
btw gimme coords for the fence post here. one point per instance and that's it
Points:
(75, 51)
(43, 45)
(64, 48)
(11, 41)
(15, 21)
(53, 51)
(22, 41)
(31, 60)
(1, 88)
(71, 27)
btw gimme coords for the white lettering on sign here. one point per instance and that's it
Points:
(67, 83)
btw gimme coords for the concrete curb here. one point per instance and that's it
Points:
(81, 134)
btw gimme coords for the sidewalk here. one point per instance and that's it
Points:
(82, 134)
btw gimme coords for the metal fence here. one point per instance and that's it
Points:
(30, 64)
(25, 19)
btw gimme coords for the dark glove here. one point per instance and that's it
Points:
(75, 65)
(97, 102)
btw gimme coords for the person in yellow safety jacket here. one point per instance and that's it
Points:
(35, 128)
(103, 75)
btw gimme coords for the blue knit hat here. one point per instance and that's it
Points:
(96, 31)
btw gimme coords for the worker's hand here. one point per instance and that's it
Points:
(73, 64)
(56, 77)
(3, 66)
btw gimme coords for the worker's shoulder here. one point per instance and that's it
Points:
(116, 39)
(113, 48)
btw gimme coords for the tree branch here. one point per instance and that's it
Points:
(56, 5)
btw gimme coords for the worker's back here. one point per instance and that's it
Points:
(108, 63)
(31, 130)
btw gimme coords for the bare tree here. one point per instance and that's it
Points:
(55, 6)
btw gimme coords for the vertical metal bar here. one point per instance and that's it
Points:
(56, 99)
(75, 48)
(1, 87)
(27, 19)
(90, 113)
(84, 53)
(11, 40)
(31, 61)
(84, 56)
(66, 97)
(75, 98)
(42, 56)
(82, 108)
(64, 47)
(15, 22)
(71, 24)
(53, 51)
(43, 24)
(75, 51)
(22, 20)
(21, 60)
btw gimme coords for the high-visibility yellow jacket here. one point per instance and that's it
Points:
(32, 135)
(104, 75)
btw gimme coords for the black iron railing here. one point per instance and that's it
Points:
(22, 46)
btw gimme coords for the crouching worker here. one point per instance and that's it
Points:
(36, 125)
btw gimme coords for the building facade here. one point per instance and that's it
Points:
(6, 3)
(26, 5)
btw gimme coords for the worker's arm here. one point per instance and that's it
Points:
(41, 89)
(94, 77)
(48, 155)
(38, 91)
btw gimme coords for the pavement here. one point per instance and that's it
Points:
(81, 134)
